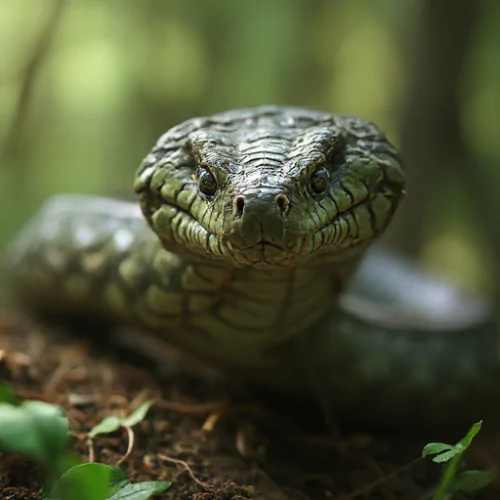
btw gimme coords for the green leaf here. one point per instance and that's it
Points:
(446, 452)
(7, 395)
(434, 448)
(96, 481)
(35, 429)
(471, 481)
(141, 491)
(106, 426)
(467, 440)
(93, 481)
(448, 455)
(114, 422)
(137, 415)
(51, 423)
(66, 461)
(452, 456)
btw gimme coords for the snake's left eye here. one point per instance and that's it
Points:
(206, 181)
(320, 180)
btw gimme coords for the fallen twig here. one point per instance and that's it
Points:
(188, 469)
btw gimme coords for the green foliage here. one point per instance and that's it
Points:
(40, 431)
(114, 422)
(96, 481)
(37, 430)
(451, 480)
(140, 491)
(7, 395)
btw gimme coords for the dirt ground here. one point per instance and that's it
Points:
(212, 442)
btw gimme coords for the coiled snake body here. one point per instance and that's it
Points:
(248, 254)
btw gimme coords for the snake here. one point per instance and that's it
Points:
(254, 246)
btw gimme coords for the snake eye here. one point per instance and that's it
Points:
(206, 181)
(319, 180)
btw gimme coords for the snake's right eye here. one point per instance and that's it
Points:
(206, 181)
(319, 180)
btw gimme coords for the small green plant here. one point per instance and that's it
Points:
(96, 481)
(114, 422)
(40, 431)
(36, 430)
(451, 480)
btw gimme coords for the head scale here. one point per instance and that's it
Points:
(270, 186)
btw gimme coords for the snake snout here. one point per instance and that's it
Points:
(259, 216)
(281, 200)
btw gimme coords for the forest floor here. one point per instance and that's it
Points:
(210, 444)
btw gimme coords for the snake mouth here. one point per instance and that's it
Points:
(263, 252)
(263, 243)
(338, 235)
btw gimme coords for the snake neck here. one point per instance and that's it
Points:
(238, 316)
(251, 309)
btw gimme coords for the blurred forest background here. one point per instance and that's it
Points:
(86, 87)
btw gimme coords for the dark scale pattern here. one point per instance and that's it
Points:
(258, 154)
(253, 221)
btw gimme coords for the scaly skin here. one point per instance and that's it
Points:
(254, 222)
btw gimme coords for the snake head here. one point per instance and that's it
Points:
(270, 186)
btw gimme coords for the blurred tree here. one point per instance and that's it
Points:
(27, 73)
(439, 160)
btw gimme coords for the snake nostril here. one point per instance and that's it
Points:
(239, 204)
(283, 202)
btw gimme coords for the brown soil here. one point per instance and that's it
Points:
(211, 444)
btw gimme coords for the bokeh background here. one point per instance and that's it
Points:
(86, 87)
